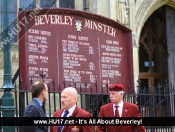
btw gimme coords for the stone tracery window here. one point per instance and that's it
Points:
(67, 4)
(28, 4)
(48, 3)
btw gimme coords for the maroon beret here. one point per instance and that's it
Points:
(117, 87)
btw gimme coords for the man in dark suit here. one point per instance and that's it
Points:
(36, 107)
(70, 109)
(119, 108)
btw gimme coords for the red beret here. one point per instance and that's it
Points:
(117, 87)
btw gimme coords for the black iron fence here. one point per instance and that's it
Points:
(158, 103)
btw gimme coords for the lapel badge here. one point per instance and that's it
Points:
(126, 110)
(75, 129)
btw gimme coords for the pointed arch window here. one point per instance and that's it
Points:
(152, 51)
(28, 4)
(67, 4)
(48, 3)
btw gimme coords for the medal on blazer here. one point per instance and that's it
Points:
(74, 129)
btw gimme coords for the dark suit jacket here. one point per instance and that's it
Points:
(78, 112)
(34, 110)
(129, 110)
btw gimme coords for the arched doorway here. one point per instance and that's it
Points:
(153, 51)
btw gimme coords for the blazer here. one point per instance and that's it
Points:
(34, 110)
(78, 112)
(129, 110)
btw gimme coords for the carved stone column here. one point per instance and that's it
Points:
(135, 60)
(170, 33)
(112, 9)
(123, 11)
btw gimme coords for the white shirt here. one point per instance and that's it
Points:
(71, 110)
(120, 108)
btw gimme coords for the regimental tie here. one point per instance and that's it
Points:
(66, 112)
(116, 111)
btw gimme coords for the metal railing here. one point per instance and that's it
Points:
(160, 103)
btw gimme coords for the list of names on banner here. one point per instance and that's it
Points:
(80, 58)
(38, 57)
(77, 63)
(111, 57)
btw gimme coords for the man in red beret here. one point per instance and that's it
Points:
(119, 108)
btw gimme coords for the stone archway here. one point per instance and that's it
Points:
(153, 51)
(141, 13)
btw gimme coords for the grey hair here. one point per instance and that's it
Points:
(121, 92)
